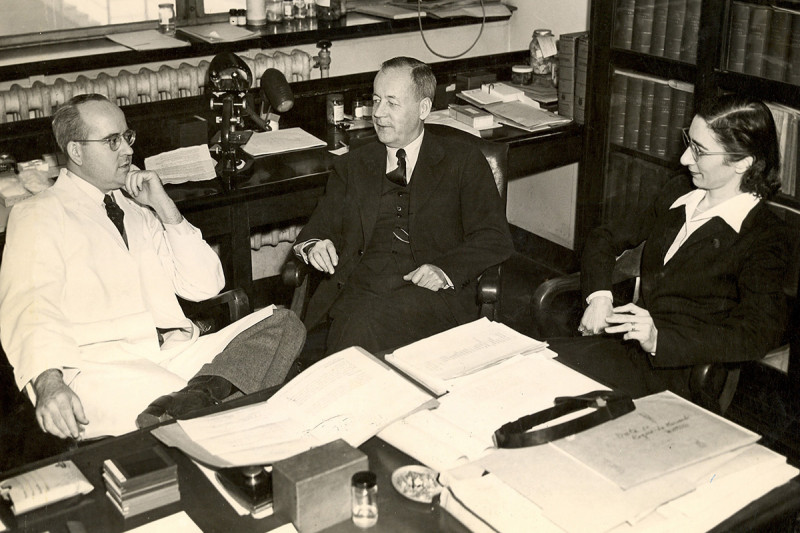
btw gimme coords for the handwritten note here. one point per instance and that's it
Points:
(664, 433)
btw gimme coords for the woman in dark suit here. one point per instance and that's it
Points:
(712, 266)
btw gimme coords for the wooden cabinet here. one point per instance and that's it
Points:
(651, 63)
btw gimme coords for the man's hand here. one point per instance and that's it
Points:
(146, 187)
(58, 409)
(636, 323)
(595, 317)
(323, 256)
(428, 277)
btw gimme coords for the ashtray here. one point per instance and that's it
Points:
(416, 482)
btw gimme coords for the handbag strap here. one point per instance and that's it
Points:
(608, 406)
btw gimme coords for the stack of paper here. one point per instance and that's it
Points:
(669, 464)
(193, 163)
(220, 32)
(511, 106)
(279, 141)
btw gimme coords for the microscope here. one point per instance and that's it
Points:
(229, 79)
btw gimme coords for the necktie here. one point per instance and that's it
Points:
(398, 175)
(116, 215)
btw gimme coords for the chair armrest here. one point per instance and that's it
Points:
(219, 311)
(712, 385)
(295, 274)
(489, 292)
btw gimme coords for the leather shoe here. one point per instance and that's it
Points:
(174, 405)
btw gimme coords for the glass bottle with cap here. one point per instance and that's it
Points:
(166, 19)
(335, 108)
(364, 491)
(521, 74)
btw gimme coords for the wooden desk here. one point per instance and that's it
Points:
(284, 188)
(204, 504)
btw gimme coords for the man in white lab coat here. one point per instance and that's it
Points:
(88, 311)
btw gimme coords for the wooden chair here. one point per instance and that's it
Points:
(557, 308)
(303, 279)
(21, 439)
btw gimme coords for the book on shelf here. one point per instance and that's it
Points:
(581, 72)
(676, 17)
(567, 57)
(680, 116)
(646, 116)
(633, 111)
(616, 112)
(777, 57)
(659, 38)
(793, 70)
(691, 29)
(643, 13)
(786, 123)
(756, 43)
(659, 138)
(737, 42)
(623, 23)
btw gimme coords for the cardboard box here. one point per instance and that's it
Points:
(473, 80)
(472, 116)
(312, 489)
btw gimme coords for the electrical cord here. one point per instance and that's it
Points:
(434, 52)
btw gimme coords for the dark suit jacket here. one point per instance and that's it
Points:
(719, 299)
(456, 218)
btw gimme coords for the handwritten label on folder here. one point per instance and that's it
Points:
(663, 434)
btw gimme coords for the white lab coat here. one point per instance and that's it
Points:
(73, 297)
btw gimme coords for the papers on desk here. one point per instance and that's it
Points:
(439, 361)
(511, 106)
(699, 467)
(44, 486)
(174, 522)
(279, 141)
(220, 32)
(193, 163)
(146, 40)
(348, 395)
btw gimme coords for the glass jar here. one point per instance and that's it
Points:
(335, 108)
(166, 19)
(300, 11)
(256, 13)
(521, 74)
(241, 17)
(358, 107)
(329, 9)
(543, 52)
(232, 17)
(367, 99)
(274, 10)
(288, 10)
(364, 492)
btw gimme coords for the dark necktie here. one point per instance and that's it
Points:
(116, 215)
(398, 175)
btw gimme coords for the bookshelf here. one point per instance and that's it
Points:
(646, 55)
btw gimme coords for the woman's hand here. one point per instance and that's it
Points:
(594, 318)
(636, 323)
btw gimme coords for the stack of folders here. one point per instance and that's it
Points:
(141, 481)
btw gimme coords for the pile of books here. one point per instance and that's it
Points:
(141, 481)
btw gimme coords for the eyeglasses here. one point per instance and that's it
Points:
(698, 152)
(114, 140)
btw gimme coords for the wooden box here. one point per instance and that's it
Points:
(312, 489)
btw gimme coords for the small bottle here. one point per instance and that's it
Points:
(364, 491)
(543, 52)
(358, 108)
(233, 17)
(166, 19)
(311, 9)
(335, 108)
(288, 10)
(367, 99)
(521, 74)
(241, 17)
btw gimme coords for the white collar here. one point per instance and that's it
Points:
(733, 210)
(94, 194)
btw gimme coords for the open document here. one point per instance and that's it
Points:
(349, 395)
(439, 361)
(669, 458)
(461, 429)
(512, 106)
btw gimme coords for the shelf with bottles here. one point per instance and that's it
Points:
(661, 28)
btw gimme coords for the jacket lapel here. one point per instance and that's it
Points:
(79, 202)
(369, 172)
(425, 179)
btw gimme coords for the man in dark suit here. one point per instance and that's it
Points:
(406, 226)
(712, 267)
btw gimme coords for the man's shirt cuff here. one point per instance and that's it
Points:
(595, 294)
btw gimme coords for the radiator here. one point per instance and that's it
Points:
(125, 88)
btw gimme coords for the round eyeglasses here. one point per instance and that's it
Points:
(698, 152)
(114, 140)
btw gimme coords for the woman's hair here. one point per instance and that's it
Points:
(742, 124)
(67, 123)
